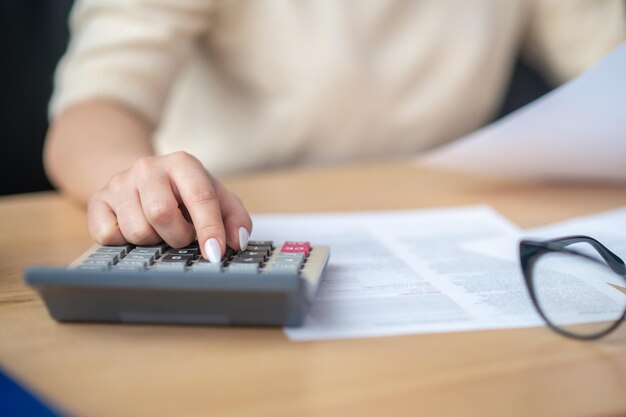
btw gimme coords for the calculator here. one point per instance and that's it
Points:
(267, 284)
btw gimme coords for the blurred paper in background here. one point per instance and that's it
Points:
(576, 132)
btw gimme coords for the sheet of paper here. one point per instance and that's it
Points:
(607, 227)
(405, 272)
(577, 131)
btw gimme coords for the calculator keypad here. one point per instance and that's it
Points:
(259, 257)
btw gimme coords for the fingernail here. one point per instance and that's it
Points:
(243, 238)
(213, 250)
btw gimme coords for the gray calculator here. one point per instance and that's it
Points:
(267, 284)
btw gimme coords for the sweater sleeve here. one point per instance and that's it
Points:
(565, 37)
(128, 51)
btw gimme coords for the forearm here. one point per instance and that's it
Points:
(90, 142)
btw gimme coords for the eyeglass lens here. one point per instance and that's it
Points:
(580, 295)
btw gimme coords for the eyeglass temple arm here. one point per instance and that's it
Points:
(614, 261)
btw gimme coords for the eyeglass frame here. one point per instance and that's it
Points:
(530, 251)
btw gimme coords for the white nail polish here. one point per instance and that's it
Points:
(243, 238)
(213, 250)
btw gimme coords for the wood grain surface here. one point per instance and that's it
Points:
(132, 370)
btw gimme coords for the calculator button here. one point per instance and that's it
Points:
(292, 260)
(125, 248)
(145, 257)
(259, 248)
(260, 258)
(299, 255)
(252, 253)
(261, 243)
(185, 251)
(245, 268)
(145, 251)
(294, 247)
(206, 267)
(184, 258)
(248, 260)
(158, 249)
(96, 262)
(132, 262)
(307, 244)
(289, 269)
(115, 251)
(107, 256)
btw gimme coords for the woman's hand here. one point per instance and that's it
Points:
(169, 198)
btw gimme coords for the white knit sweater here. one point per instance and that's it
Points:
(248, 84)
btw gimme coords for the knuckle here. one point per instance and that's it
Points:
(183, 156)
(139, 236)
(160, 212)
(144, 164)
(116, 182)
(204, 195)
(105, 235)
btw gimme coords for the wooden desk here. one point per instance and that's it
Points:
(123, 370)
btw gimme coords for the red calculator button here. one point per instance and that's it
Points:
(296, 247)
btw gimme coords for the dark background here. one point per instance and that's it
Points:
(33, 35)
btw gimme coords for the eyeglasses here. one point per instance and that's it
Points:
(579, 293)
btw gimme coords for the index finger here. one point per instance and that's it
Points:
(199, 197)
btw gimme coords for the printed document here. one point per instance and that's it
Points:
(402, 272)
(607, 227)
